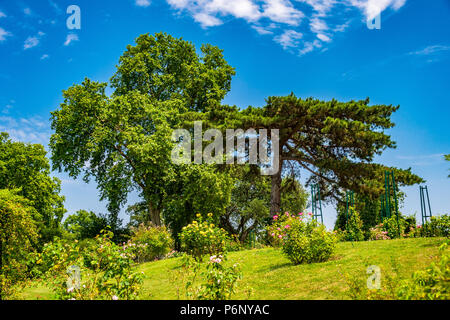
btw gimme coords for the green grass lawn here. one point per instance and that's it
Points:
(272, 276)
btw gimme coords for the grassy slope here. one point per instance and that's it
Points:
(272, 276)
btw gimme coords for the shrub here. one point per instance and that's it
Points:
(97, 270)
(18, 234)
(438, 226)
(392, 227)
(354, 226)
(302, 238)
(203, 237)
(149, 243)
(377, 233)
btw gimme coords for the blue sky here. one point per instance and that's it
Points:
(318, 48)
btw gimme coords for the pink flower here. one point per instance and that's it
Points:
(275, 217)
(278, 229)
(273, 234)
(287, 226)
(301, 213)
(310, 214)
(280, 236)
(286, 213)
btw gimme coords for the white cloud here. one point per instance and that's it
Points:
(284, 18)
(289, 38)
(264, 30)
(282, 11)
(2, 15)
(32, 130)
(206, 12)
(431, 50)
(27, 11)
(4, 34)
(30, 42)
(309, 47)
(71, 37)
(372, 8)
(45, 56)
(324, 37)
(143, 3)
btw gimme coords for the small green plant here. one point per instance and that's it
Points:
(203, 237)
(101, 271)
(303, 239)
(354, 227)
(149, 243)
(211, 280)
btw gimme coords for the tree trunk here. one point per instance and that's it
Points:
(275, 193)
(155, 216)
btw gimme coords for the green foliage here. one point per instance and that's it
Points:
(18, 235)
(166, 68)
(184, 201)
(25, 167)
(336, 141)
(84, 224)
(101, 270)
(203, 237)
(149, 243)
(302, 238)
(354, 227)
(447, 157)
(431, 283)
(127, 137)
(437, 226)
(392, 227)
(220, 280)
(247, 210)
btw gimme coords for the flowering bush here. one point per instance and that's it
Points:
(220, 280)
(149, 243)
(302, 238)
(203, 237)
(376, 233)
(392, 228)
(102, 272)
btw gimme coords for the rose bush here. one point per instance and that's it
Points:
(302, 238)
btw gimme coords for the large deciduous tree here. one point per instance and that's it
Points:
(123, 141)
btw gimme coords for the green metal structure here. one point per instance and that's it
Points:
(350, 202)
(316, 202)
(389, 201)
(423, 208)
